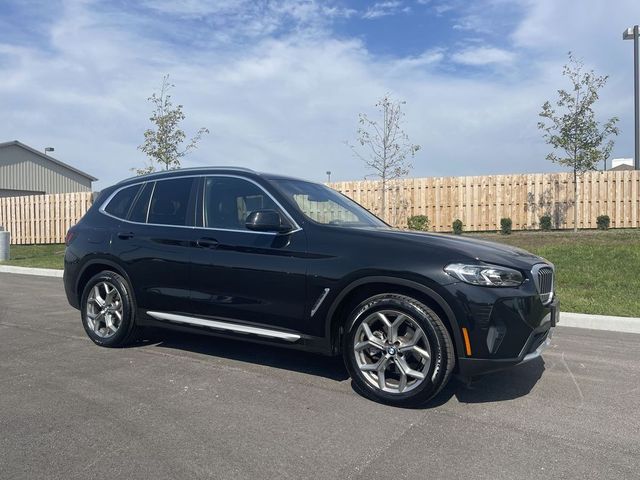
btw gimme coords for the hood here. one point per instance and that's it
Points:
(463, 248)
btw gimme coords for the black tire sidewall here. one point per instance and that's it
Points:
(426, 318)
(127, 324)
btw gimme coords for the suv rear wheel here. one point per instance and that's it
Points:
(397, 350)
(107, 310)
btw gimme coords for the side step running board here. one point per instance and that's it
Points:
(226, 326)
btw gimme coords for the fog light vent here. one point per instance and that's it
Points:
(495, 335)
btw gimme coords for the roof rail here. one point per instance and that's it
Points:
(190, 169)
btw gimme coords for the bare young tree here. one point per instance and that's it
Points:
(163, 142)
(573, 130)
(383, 145)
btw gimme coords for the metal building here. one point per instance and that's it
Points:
(26, 171)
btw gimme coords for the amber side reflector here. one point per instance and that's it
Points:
(467, 343)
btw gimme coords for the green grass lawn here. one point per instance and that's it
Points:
(41, 256)
(597, 271)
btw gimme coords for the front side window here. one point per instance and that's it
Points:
(121, 202)
(170, 202)
(324, 205)
(229, 200)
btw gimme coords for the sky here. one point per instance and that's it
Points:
(280, 83)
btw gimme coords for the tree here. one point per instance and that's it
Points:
(384, 146)
(163, 143)
(573, 130)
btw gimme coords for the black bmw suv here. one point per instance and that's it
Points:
(268, 258)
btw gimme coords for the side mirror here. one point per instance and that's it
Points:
(267, 221)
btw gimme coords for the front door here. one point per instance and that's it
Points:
(239, 275)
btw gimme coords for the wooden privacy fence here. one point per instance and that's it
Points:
(480, 202)
(42, 218)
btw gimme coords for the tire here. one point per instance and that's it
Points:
(390, 344)
(107, 310)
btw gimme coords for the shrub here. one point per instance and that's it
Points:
(505, 226)
(418, 222)
(457, 227)
(603, 222)
(545, 223)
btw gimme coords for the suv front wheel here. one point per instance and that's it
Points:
(397, 350)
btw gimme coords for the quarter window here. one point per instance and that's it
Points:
(170, 201)
(121, 202)
(229, 200)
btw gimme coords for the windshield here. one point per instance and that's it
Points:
(324, 205)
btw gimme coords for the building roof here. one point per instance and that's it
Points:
(621, 167)
(47, 157)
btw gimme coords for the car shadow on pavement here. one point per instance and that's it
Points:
(256, 353)
(507, 384)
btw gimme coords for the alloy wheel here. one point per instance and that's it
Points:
(104, 309)
(392, 351)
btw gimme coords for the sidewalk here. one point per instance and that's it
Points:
(600, 322)
(43, 272)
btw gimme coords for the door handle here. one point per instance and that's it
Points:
(207, 242)
(125, 235)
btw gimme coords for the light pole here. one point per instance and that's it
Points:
(633, 33)
(328, 176)
(48, 149)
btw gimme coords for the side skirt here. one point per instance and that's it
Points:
(225, 326)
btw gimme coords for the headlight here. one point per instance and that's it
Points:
(486, 275)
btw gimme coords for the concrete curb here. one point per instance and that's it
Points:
(43, 272)
(600, 322)
(567, 319)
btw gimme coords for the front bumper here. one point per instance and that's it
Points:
(538, 342)
(541, 348)
(505, 328)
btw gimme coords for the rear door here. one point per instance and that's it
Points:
(241, 275)
(153, 241)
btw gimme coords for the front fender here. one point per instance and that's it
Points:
(401, 282)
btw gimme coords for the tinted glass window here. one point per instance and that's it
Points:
(120, 204)
(324, 205)
(228, 201)
(141, 205)
(170, 201)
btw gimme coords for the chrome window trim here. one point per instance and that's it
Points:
(102, 207)
(225, 326)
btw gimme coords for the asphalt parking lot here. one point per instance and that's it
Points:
(194, 407)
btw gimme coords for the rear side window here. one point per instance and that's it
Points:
(141, 205)
(121, 202)
(170, 202)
